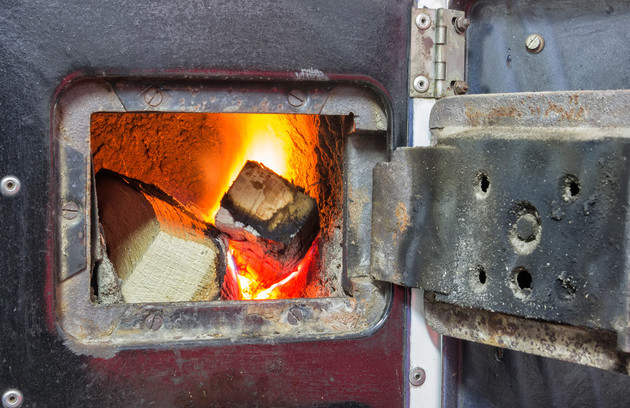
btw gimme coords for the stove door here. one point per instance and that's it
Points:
(515, 223)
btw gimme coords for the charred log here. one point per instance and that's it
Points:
(270, 221)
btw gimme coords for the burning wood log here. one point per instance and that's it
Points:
(268, 220)
(161, 252)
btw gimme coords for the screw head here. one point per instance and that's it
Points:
(534, 43)
(417, 376)
(421, 84)
(70, 211)
(153, 321)
(10, 186)
(296, 98)
(12, 399)
(461, 24)
(295, 315)
(423, 21)
(153, 97)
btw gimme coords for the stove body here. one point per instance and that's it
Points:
(48, 47)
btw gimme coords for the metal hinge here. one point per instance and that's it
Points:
(437, 54)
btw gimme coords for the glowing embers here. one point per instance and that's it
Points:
(247, 281)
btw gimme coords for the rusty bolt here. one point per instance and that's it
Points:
(295, 315)
(296, 98)
(153, 97)
(417, 376)
(153, 321)
(461, 24)
(534, 43)
(70, 211)
(423, 21)
(460, 87)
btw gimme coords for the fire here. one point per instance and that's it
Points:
(195, 158)
(253, 286)
(267, 139)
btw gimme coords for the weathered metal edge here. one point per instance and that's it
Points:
(575, 344)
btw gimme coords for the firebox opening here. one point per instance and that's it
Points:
(209, 206)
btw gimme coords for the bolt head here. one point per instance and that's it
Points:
(460, 87)
(462, 24)
(526, 228)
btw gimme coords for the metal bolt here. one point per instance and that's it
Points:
(526, 228)
(70, 211)
(12, 399)
(296, 98)
(421, 84)
(153, 97)
(535, 43)
(461, 24)
(460, 87)
(423, 21)
(9, 186)
(295, 315)
(417, 376)
(153, 321)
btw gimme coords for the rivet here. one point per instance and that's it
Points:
(10, 186)
(417, 376)
(421, 84)
(12, 399)
(423, 21)
(534, 43)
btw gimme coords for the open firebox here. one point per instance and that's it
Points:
(204, 211)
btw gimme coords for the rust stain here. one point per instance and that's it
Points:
(573, 114)
(403, 218)
(493, 117)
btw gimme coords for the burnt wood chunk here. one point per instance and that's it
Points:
(273, 222)
(160, 251)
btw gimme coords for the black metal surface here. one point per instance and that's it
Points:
(488, 377)
(473, 376)
(585, 46)
(44, 43)
(451, 231)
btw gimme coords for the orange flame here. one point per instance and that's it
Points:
(251, 285)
